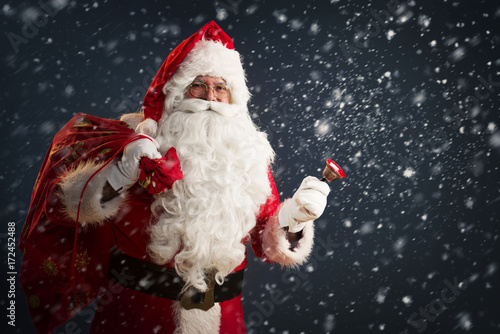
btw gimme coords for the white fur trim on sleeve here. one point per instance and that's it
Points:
(277, 247)
(92, 211)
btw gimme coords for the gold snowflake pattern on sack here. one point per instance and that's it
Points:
(78, 301)
(82, 122)
(147, 181)
(50, 267)
(77, 150)
(34, 301)
(81, 261)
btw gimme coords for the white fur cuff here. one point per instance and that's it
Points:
(92, 211)
(277, 247)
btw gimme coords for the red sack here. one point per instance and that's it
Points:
(56, 275)
(158, 175)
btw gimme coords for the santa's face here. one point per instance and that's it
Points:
(209, 89)
(203, 219)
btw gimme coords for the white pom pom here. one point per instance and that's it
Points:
(147, 127)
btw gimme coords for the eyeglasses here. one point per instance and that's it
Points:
(199, 89)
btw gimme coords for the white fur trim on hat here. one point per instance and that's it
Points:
(208, 58)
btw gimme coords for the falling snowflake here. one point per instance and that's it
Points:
(407, 300)
(408, 172)
(381, 294)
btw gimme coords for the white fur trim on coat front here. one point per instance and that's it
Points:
(197, 321)
(92, 211)
(277, 247)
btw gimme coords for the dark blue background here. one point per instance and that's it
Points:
(394, 91)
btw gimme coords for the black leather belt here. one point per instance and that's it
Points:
(163, 282)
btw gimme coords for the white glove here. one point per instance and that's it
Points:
(307, 204)
(126, 172)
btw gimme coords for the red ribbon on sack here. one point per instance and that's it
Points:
(158, 175)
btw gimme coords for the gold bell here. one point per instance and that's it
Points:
(332, 172)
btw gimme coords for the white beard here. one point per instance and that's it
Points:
(203, 219)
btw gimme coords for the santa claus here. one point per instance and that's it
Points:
(171, 262)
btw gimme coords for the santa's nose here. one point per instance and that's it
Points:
(210, 96)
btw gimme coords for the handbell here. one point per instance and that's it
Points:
(332, 172)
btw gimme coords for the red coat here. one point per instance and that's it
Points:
(65, 266)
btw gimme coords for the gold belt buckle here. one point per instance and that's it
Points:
(189, 297)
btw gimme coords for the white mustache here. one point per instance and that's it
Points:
(197, 105)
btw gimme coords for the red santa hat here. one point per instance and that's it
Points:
(208, 52)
